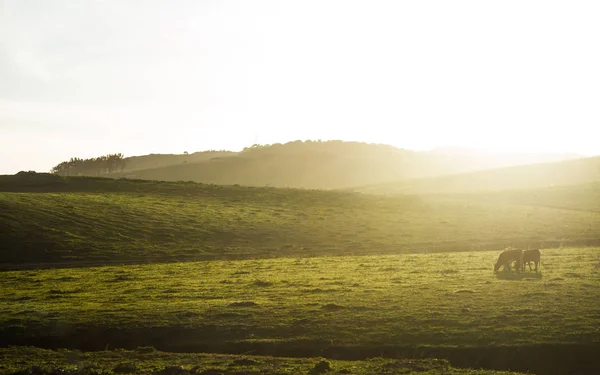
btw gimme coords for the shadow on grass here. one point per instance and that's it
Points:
(518, 276)
(542, 359)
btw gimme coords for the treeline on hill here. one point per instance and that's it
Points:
(318, 145)
(102, 165)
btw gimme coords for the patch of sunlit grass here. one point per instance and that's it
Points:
(425, 299)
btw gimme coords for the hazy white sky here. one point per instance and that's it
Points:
(84, 78)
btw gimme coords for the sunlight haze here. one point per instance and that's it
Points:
(84, 78)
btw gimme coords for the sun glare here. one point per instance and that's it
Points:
(505, 77)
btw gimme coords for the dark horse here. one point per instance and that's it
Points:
(506, 258)
(531, 256)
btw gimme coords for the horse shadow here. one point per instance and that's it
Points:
(508, 275)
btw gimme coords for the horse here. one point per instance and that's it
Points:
(506, 258)
(531, 256)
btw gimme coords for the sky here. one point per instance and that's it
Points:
(86, 78)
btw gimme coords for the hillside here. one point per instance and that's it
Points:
(569, 172)
(135, 163)
(47, 218)
(582, 197)
(319, 165)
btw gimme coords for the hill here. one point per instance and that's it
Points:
(48, 218)
(568, 172)
(582, 197)
(318, 165)
(135, 163)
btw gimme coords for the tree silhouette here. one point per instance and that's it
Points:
(102, 165)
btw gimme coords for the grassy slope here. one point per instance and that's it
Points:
(21, 359)
(576, 171)
(60, 219)
(135, 163)
(300, 169)
(332, 305)
(582, 197)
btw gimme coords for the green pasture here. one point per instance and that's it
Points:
(449, 299)
(102, 221)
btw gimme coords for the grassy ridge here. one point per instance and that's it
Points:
(583, 197)
(21, 360)
(570, 172)
(64, 219)
(333, 305)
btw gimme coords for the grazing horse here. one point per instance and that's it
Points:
(506, 258)
(531, 256)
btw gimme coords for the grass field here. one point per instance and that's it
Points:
(292, 306)
(27, 360)
(54, 219)
(294, 273)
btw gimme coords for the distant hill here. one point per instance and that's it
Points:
(135, 163)
(567, 172)
(497, 159)
(105, 220)
(314, 164)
